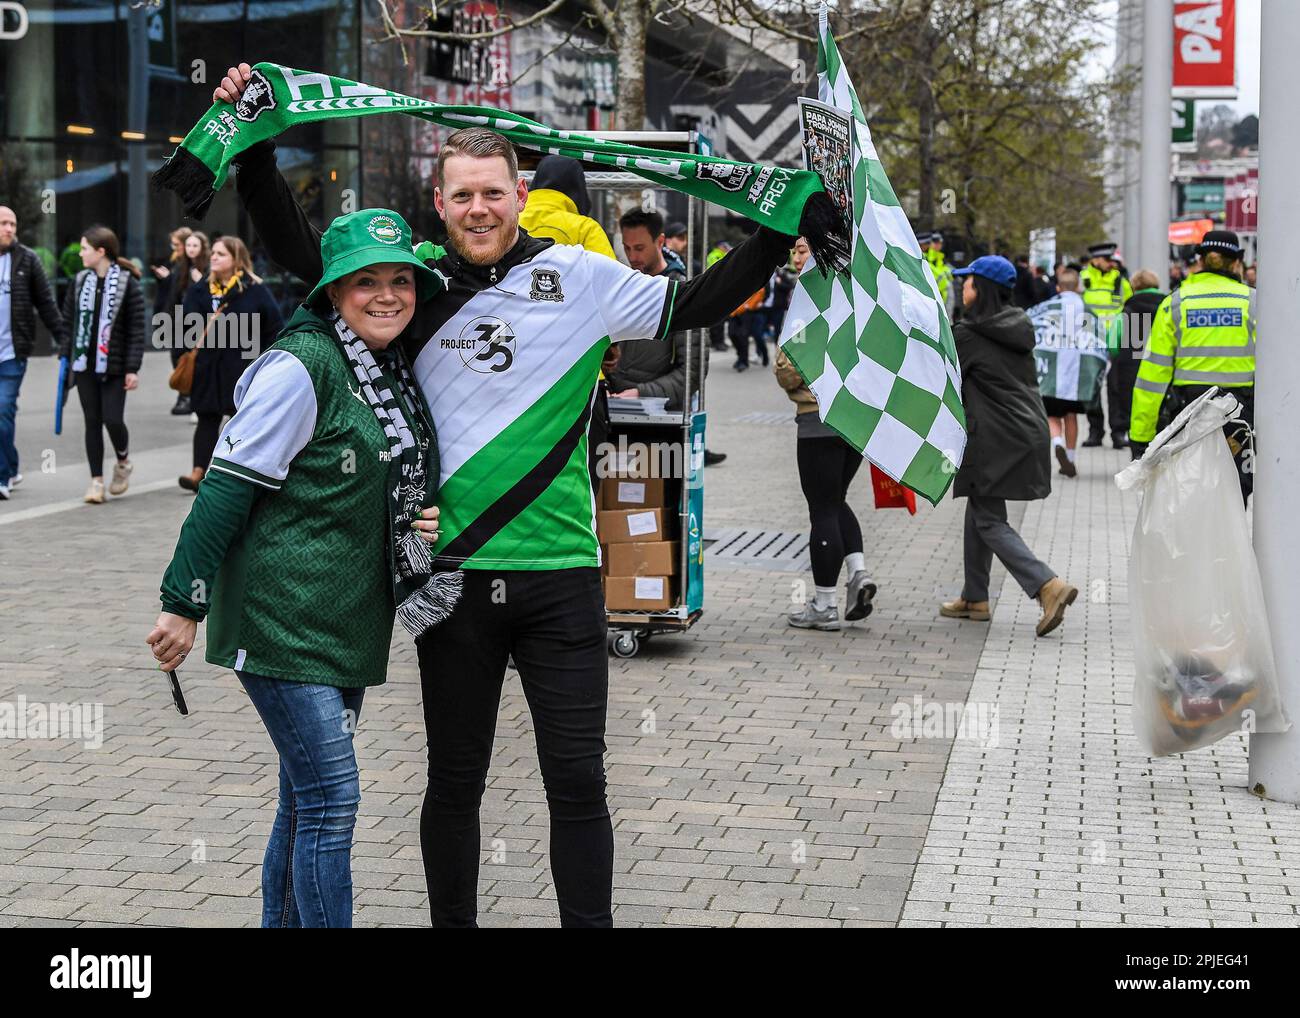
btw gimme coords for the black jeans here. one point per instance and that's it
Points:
(741, 328)
(553, 623)
(826, 469)
(103, 401)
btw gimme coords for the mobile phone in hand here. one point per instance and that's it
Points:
(178, 698)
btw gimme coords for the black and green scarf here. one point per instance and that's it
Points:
(423, 598)
(792, 202)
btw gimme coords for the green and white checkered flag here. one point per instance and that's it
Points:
(874, 343)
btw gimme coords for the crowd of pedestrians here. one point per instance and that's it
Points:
(102, 329)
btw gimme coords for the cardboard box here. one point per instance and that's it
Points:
(630, 493)
(625, 526)
(640, 593)
(652, 558)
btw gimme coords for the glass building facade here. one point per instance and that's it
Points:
(95, 94)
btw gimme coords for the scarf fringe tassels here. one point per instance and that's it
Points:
(186, 176)
(432, 603)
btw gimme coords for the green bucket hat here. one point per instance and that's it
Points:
(369, 237)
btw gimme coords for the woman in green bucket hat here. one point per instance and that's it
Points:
(309, 533)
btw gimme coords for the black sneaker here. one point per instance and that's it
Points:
(1065, 465)
(182, 406)
(712, 459)
(1093, 442)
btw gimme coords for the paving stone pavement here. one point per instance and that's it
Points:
(1065, 821)
(753, 776)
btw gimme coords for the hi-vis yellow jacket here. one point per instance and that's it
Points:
(553, 214)
(942, 273)
(1203, 334)
(1105, 293)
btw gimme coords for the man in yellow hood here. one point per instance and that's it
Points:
(558, 205)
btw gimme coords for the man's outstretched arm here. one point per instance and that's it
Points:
(721, 288)
(282, 226)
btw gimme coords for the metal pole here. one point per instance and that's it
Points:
(1157, 109)
(1130, 48)
(1116, 150)
(137, 119)
(1275, 758)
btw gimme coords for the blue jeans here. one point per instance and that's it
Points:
(307, 871)
(11, 380)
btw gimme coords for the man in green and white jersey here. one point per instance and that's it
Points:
(507, 357)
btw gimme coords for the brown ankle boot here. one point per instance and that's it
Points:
(1054, 596)
(190, 482)
(976, 611)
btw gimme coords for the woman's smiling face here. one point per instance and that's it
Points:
(377, 302)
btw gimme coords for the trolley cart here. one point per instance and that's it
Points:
(677, 438)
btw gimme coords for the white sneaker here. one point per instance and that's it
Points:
(121, 477)
(4, 491)
(95, 493)
(16, 480)
(194, 418)
(812, 617)
(861, 591)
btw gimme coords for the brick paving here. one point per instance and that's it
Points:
(753, 776)
(1066, 822)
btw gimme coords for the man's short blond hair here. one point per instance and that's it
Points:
(1068, 279)
(1145, 279)
(480, 143)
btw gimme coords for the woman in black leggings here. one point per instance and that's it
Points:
(105, 345)
(827, 466)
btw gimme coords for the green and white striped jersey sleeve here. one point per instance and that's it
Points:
(275, 404)
(632, 304)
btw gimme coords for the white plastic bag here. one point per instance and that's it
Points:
(1202, 657)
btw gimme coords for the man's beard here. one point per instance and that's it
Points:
(504, 238)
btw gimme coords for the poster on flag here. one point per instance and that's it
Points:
(828, 150)
(873, 342)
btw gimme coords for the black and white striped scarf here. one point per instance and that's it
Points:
(90, 332)
(423, 598)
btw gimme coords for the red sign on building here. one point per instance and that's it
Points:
(1205, 44)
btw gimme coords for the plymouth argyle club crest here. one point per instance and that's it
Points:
(729, 177)
(546, 285)
(385, 230)
(258, 97)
